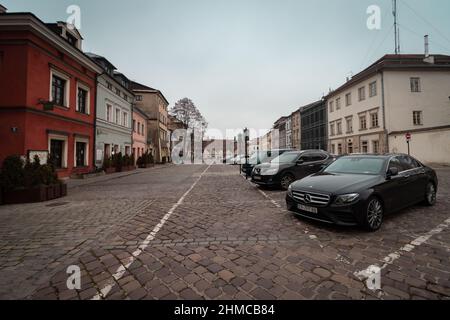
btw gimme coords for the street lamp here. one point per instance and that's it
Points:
(246, 139)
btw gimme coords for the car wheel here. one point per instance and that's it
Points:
(430, 195)
(286, 181)
(374, 214)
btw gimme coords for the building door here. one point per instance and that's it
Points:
(56, 152)
(80, 154)
(107, 151)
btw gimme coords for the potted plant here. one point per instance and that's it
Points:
(108, 165)
(29, 181)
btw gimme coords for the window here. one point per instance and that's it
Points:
(331, 106)
(339, 149)
(373, 89)
(82, 102)
(348, 99)
(417, 118)
(415, 84)
(80, 154)
(57, 152)
(139, 98)
(109, 113)
(125, 97)
(332, 131)
(118, 92)
(362, 93)
(338, 104)
(134, 125)
(58, 91)
(117, 119)
(364, 147)
(143, 130)
(139, 128)
(349, 125)
(125, 119)
(376, 147)
(374, 119)
(350, 148)
(339, 127)
(363, 122)
(395, 163)
(333, 149)
(109, 85)
(409, 163)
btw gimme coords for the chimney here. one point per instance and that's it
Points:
(428, 58)
(3, 9)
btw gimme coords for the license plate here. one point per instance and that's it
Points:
(308, 209)
(257, 178)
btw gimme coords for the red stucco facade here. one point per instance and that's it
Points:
(27, 61)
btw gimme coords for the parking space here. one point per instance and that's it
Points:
(198, 232)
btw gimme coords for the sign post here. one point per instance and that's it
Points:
(408, 140)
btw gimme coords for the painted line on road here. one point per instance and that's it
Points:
(123, 268)
(391, 258)
(276, 204)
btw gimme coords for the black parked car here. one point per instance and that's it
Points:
(289, 167)
(361, 190)
(261, 157)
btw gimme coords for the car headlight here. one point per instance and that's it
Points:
(269, 172)
(289, 192)
(346, 198)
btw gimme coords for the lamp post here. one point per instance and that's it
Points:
(246, 140)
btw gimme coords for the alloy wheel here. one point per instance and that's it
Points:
(431, 194)
(374, 214)
(286, 181)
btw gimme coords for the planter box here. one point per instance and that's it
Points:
(128, 168)
(145, 166)
(110, 170)
(37, 194)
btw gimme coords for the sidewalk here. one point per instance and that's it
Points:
(75, 183)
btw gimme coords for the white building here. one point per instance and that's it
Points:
(398, 94)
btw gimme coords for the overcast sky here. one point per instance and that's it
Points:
(245, 62)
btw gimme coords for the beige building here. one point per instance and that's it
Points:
(296, 130)
(398, 94)
(154, 104)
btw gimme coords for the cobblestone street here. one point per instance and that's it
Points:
(198, 232)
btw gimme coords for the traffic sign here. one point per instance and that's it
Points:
(408, 136)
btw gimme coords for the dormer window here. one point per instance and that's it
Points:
(72, 40)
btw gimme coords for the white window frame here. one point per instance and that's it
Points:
(117, 119)
(419, 84)
(420, 112)
(373, 93)
(348, 99)
(65, 77)
(111, 118)
(63, 138)
(86, 159)
(371, 119)
(88, 97)
(362, 93)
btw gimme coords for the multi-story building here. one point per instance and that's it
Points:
(114, 112)
(396, 95)
(140, 121)
(47, 93)
(279, 133)
(296, 130)
(154, 104)
(314, 126)
(289, 132)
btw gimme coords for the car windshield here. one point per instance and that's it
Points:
(288, 157)
(356, 165)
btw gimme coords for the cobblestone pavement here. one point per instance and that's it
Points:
(197, 232)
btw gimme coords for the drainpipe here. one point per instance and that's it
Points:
(383, 107)
(95, 120)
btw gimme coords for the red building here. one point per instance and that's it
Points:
(47, 93)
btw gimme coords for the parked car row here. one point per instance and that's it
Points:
(353, 190)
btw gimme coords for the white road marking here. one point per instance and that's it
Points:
(391, 258)
(144, 244)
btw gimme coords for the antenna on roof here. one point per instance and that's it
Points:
(396, 27)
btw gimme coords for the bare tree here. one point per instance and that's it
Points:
(186, 111)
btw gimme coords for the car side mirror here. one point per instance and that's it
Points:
(392, 172)
(300, 162)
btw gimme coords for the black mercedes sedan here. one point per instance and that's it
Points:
(362, 189)
(289, 167)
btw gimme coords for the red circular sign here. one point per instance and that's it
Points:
(408, 136)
